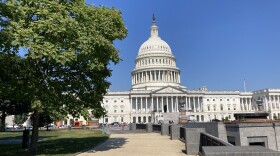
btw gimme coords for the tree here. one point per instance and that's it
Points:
(44, 119)
(69, 46)
(99, 112)
(275, 117)
(20, 118)
(12, 87)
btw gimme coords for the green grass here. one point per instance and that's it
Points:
(56, 142)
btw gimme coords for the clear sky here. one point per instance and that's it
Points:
(216, 43)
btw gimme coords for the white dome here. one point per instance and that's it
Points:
(154, 44)
(155, 65)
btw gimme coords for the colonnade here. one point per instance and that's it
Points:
(156, 75)
(271, 102)
(167, 104)
(246, 104)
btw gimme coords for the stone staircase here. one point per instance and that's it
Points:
(170, 117)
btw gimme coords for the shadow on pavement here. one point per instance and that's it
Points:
(111, 143)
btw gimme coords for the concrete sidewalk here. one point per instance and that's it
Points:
(138, 144)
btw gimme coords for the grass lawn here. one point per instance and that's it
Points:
(55, 142)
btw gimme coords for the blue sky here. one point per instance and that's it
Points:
(216, 43)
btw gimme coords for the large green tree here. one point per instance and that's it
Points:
(69, 46)
(12, 85)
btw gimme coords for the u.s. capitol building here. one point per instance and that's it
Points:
(157, 95)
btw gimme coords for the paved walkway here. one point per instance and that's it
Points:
(138, 144)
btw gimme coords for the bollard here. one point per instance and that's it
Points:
(25, 139)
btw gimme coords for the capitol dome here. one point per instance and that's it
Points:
(155, 65)
(154, 44)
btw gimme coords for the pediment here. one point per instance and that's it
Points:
(170, 90)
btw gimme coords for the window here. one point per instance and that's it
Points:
(115, 111)
(221, 99)
(228, 107)
(122, 111)
(106, 120)
(121, 100)
(106, 101)
(208, 107)
(207, 99)
(213, 99)
(227, 99)
(214, 107)
(222, 107)
(229, 116)
(115, 100)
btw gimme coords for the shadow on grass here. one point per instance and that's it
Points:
(68, 145)
(63, 146)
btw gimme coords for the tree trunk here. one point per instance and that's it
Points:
(34, 138)
(3, 121)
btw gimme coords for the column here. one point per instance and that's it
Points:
(269, 99)
(189, 99)
(141, 107)
(145, 72)
(199, 106)
(131, 104)
(167, 103)
(142, 78)
(250, 104)
(245, 104)
(157, 104)
(179, 79)
(136, 105)
(177, 103)
(172, 106)
(194, 104)
(187, 105)
(241, 104)
(265, 103)
(153, 75)
(278, 102)
(149, 76)
(162, 110)
(146, 105)
(152, 104)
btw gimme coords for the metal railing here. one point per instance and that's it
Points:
(156, 128)
(209, 140)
